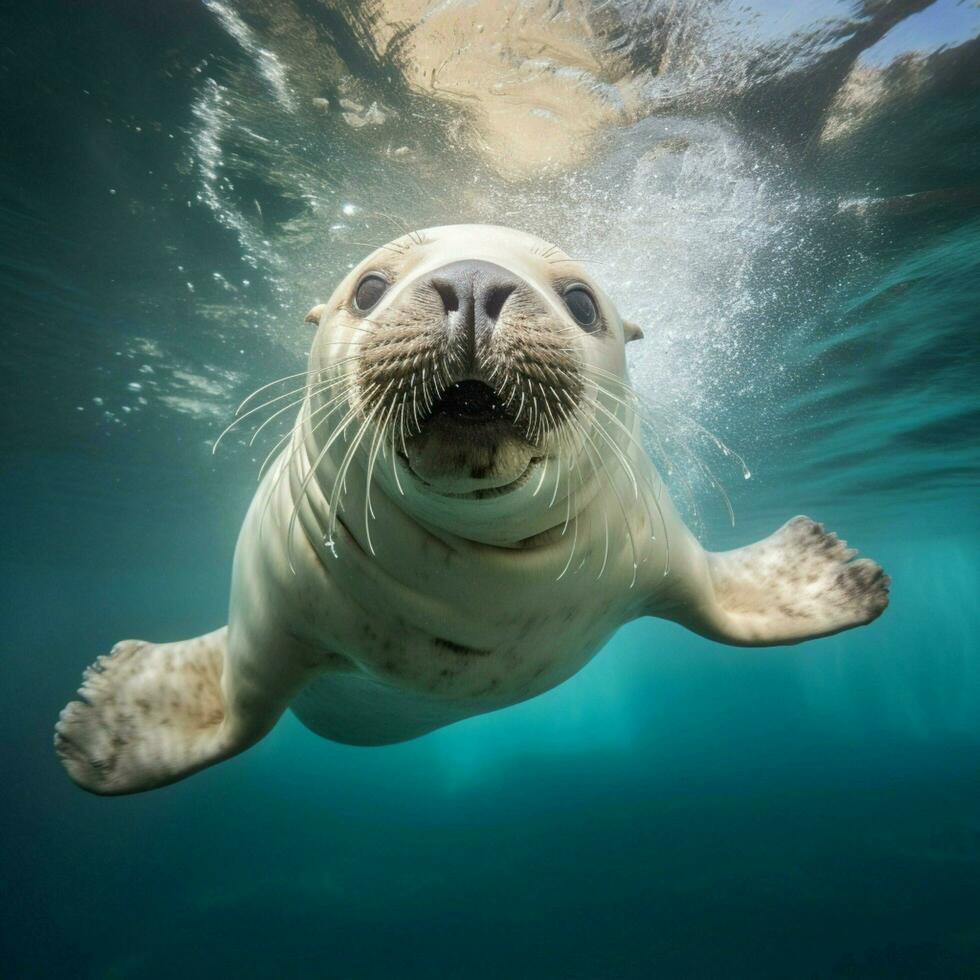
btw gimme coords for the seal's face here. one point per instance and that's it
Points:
(469, 352)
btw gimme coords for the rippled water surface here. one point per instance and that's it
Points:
(785, 196)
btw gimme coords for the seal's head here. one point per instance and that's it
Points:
(472, 354)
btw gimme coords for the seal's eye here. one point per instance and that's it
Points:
(369, 290)
(582, 306)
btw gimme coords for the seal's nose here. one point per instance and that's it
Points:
(473, 293)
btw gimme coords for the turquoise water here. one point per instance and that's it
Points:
(787, 199)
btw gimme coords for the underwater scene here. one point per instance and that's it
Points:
(765, 215)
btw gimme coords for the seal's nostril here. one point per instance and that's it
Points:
(495, 299)
(450, 298)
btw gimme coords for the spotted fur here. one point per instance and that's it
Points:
(501, 560)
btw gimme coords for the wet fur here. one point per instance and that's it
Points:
(380, 606)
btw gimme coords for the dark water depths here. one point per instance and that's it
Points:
(786, 196)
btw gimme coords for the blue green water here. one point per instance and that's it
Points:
(787, 198)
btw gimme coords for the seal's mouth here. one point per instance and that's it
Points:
(484, 493)
(468, 445)
(470, 402)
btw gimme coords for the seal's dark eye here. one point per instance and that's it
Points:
(582, 306)
(369, 290)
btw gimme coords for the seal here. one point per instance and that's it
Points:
(462, 515)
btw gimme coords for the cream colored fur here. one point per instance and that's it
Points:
(432, 603)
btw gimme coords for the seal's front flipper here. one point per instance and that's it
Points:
(150, 714)
(798, 583)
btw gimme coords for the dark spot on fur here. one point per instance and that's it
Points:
(459, 648)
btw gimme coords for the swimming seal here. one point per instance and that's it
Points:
(462, 515)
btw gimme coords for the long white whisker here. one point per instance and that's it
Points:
(376, 444)
(270, 384)
(317, 389)
(653, 491)
(619, 499)
(252, 411)
(341, 429)
(288, 457)
(340, 478)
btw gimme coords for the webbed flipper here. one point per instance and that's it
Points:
(149, 714)
(799, 583)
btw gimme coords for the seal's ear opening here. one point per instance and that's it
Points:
(632, 331)
(314, 315)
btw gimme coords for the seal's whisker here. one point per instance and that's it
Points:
(377, 446)
(316, 390)
(329, 408)
(594, 403)
(541, 478)
(288, 435)
(304, 485)
(339, 343)
(338, 483)
(601, 430)
(571, 553)
(554, 493)
(663, 409)
(676, 475)
(619, 499)
(376, 442)
(358, 329)
(293, 431)
(568, 499)
(605, 523)
(270, 384)
(400, 224)
(394, 432)
(654, 492)
(252, 411)
(391, 247)
(404, 447)
(308, 372)
(258, 429)
(654, 429)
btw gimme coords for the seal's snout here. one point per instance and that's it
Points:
(473, 294)
(471, 368)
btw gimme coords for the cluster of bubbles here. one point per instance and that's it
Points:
(619, 146)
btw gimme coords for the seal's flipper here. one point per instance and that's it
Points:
(150, 714)
(798, 583)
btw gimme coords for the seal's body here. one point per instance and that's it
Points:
(463, 515)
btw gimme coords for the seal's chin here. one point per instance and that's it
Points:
(469, 446)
